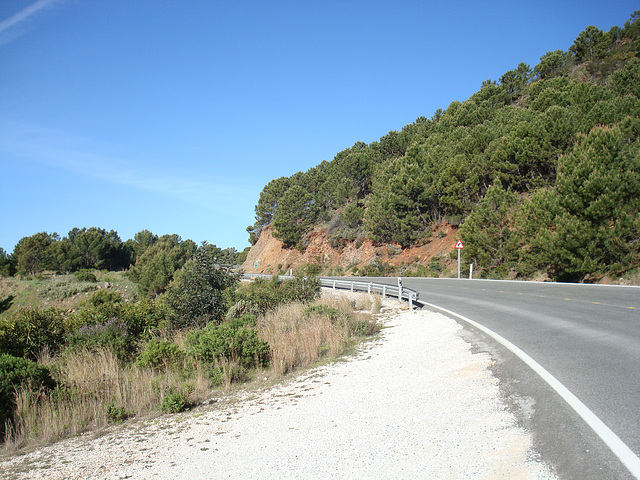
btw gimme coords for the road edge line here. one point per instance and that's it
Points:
(615, 444)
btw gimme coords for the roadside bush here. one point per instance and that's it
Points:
(174, 401)
(140, 318)
(114, 413)
(248, 320)
(355, 325)
(97, 314)
(144, 316)
(160, 355)
(112, 334)
(241, 308)
(267, 294)
(216, 342)
(331, 312)
(376, 268)
(196, 292)
(15, 373)
(312, 269)
(28, 331)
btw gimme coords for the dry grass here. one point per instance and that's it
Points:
(99, 389)
(298, 338)
(94, 381)
(369, 302)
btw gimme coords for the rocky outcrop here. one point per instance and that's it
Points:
(271, 256)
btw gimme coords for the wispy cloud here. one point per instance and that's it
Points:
(9, 28)
(26, 143)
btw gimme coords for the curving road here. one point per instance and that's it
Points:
(586, 336)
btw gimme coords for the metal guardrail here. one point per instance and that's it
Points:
(401, 293)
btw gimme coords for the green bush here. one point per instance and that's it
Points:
(140, 318)
(312, 269)
(28, 331)
(112, 334)
(216, 342)
(246, 320)
(196, 292)
(15, 373)
(174, 402)
(332, 313)
(85, 276)
(105, 296)
(267, 294)
(114, 413)
(144, 316)
(363, 328)
(376, 268)
(241, 308)
(159, 354)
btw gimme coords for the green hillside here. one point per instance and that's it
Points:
(540, 169)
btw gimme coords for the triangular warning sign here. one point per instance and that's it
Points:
(459, 244)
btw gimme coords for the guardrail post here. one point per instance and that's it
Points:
(352, 283)
(384, 290)
(334, 284)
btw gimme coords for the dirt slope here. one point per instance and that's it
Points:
(271, 255)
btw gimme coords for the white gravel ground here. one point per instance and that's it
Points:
(415, 403)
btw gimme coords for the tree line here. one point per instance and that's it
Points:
(150, 260)
(538, 168)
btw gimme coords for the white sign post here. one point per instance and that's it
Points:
(459, 246)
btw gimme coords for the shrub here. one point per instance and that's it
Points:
(216, 342)
(312, 269)
(113, 335)
(376, 268)
(241, 308)
(196, 292)
(85, 276)
(173, 401)
(144, 316)
(159, 354)
(15, 373)
(95, 314)
(105, 296)
(267, 294)
(115, 414)
(28, 331)
(247, 320)
(64, 287)
(140, 318)
(332, 313)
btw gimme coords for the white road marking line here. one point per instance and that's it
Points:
(615, 444)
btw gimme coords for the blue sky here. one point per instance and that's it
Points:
(171, 116)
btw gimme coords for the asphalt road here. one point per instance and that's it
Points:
(586, 336)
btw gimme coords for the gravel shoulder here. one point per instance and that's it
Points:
(413, 403)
